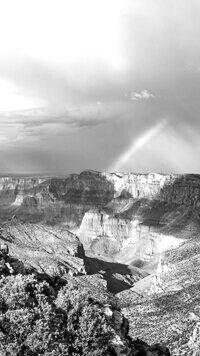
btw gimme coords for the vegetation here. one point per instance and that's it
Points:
(36, 320)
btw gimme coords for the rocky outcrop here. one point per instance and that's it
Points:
(46, 250)
(8, 264)
(123, 344)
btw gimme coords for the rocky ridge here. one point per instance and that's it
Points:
(41, 248)
(168, 300)
(131, 218)
(147, 223)
(94, 204)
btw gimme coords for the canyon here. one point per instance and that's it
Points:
(131, 218)
(138, 234)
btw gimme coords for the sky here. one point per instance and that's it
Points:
(107, 85)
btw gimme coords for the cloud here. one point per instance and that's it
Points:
(39, 124)
(143, 95)
(92, 114)
(71, 80)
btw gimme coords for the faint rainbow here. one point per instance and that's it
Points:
(136, 145)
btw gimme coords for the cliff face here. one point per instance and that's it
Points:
(145, 217)
(127, 216)
(180, 189)
(43, 249)
(94, 189)
(53, 200)
(126, 240)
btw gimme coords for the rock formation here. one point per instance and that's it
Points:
(94, 189)
(138, 233)
(131, 218)
(63, 198)
(168, 299)
(46, 250)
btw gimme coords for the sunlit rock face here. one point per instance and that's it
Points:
(43, 249)
(180, 189)
(130, 217)
(128, 241)
(143, 219)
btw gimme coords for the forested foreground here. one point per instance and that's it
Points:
(68, 315)
(38, 318)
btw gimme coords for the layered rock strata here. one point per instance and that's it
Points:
(127, 216)
(93, 189)
(44, 249)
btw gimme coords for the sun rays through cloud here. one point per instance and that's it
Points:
(138, 144)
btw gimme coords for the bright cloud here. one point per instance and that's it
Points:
(12, 99)
(143, 95)
(62, 32)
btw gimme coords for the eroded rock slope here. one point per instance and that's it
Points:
(140, 234)
(132, 218)
(41, 248)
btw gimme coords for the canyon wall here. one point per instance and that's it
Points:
(148, 222)
(127, 241)
(97, 189)
(126, 216)
(53, 200)
(180, 189)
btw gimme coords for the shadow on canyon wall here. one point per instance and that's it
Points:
(176, 206)
(118, 276)
(54, 200)
(10, 265)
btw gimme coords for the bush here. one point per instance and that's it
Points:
(33, 321)
(85, 317)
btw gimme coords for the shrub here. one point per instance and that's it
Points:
(85, 316)
(33, 321)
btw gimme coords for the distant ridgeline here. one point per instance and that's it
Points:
(90, 185)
